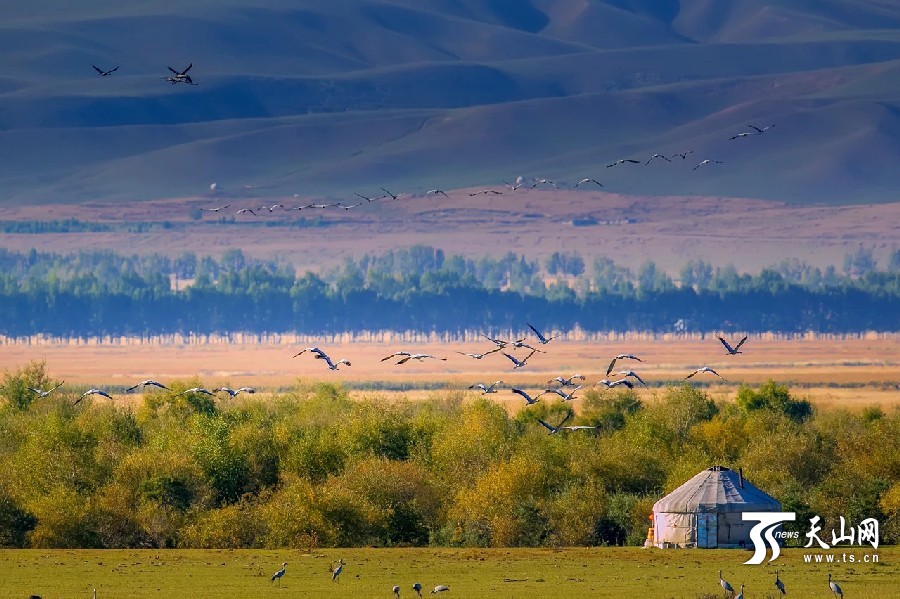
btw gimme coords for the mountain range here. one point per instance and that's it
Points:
(329, 98)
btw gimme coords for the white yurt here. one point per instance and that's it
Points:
(706, 511)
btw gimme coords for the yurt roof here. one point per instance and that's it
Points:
(717, 489)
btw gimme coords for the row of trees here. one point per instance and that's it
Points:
(420, 289)
(311, 467)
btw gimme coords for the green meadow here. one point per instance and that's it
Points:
(471, 573)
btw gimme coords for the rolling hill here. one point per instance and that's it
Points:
(311, 97)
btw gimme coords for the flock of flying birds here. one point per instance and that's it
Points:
(562, 383)
(626, 377)
(175, 78)
(520, 183)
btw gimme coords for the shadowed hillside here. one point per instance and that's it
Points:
(311, 97)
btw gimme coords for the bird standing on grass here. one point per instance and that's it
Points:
(778, 584)
(440, 589)
(834, 587)
(417, 587)
(337, 570)
(277, 576)
(741, 594)
(396, 590)
(729, 591)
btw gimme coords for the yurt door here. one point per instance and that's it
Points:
(707, 530)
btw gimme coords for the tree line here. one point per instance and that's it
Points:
(312, 467)
(419, 288)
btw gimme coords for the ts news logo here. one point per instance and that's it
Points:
(768, 522)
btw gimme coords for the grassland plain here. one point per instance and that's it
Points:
(471, 573)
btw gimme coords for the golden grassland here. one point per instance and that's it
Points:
(471, 573)
(850, 372)
(671, 230)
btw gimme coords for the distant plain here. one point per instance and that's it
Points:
(671, 230)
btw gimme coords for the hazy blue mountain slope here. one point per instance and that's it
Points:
(319, 97)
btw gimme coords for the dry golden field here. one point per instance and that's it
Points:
(851, 372)
(670, 230)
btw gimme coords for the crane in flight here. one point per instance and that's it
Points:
(519, 363)
(756, 131)
(320, 355)
(149, 382)
(707, 161)
(565, 396)
(528, 399)
(589, 180)
(103, 73)
(732, 350)
(621, 357)
(633, 374)
(543, 339)
(43, 393)
(563, 382)
(623, 161)
(656, 156)
(92, 392)
(613, 384)
(486, 388)
(180, 76)
(196, 390)
(704, 369)
(479, 356)
(559, 427)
